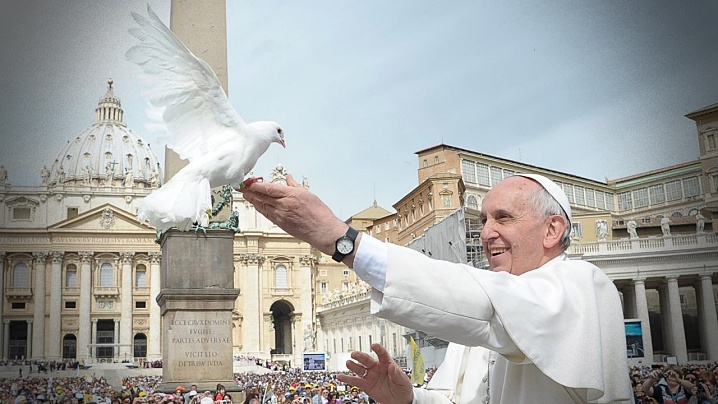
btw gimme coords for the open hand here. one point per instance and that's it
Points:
(383, 380)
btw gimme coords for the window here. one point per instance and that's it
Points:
(323, 287)
(468, 169)
(609, 202)
(280, 277)
(691, 187)
(426, 163)
(436, 159)
(472, 202)
(72, 213)
(18, 306)
(590, 198)
(624, 201)
(141, 276)
(140, 346)
(482, 174)
(580, 199)
(20, 276)
(640, 197)
(140, 304)
(683, 299)
(673, 191)
(107, 277)
(508, 173)
(377, 229)
(656, 193)
(71, 304)
(711, 141)
(568, 190)
(21, 213)
(387, 226)
(71, 276)
(345, 272)
(600, 201)
(576, 230)
(496, 175)
(360, 347)
(69, 346)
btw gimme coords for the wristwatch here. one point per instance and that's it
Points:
(344, 245)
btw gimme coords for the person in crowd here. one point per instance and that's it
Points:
(532, 306)
(676, 390)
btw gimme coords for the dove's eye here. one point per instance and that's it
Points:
(279, 130)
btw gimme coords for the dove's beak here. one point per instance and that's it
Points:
(281, 141)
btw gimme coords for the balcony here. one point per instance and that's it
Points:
(18, 293)
(675, 243)
(106, 291)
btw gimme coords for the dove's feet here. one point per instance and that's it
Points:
(198, 227)
(250, 181)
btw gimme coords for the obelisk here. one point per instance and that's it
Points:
(197, 292)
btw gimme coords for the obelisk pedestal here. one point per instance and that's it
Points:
(196, 300)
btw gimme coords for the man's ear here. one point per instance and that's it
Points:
(554, 231)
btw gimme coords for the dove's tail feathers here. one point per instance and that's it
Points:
(178, 203)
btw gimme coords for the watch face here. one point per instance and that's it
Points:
(345, 245)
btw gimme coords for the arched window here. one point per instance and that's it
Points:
(106, 274)
(71, 276)
(141, 276)
(69, 346)
(20, 275)
(140, 346)
(280, 277)
(472, 202)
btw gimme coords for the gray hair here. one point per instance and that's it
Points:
(547, 206)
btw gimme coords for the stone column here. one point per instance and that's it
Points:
(126, 306)
(306, 340)
(154, 344)
(116, 338)
(252, 304)
(629, 301)
(85, 307)
(93, 338)
(54, 346)
(642, 313)
(2, 299)
(5, 338)
(28, 354)
(709, 318)
(677, 331)
(38, 295)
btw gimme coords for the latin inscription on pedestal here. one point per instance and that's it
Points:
(200, 345)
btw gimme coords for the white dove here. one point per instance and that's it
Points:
(200, 124)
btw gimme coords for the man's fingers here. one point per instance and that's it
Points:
(354, 381)
(381, 353)
(357, 368)
(291, 182)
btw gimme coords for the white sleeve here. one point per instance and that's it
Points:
(423, 396)
(370, 261)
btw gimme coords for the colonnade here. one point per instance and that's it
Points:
(671, 310)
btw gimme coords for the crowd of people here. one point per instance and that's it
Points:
(673, 384)
(664, 384)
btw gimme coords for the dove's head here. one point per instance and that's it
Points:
(270, 131)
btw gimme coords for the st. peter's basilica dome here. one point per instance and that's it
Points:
(107, 154)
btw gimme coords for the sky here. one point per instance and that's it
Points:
(595, 89)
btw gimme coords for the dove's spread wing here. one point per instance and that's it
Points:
(183, 89)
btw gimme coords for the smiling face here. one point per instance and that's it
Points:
(516, 237)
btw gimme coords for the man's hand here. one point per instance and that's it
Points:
(297, 211)
(382, 380)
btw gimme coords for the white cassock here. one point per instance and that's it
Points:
(460, 379)
(558, 329)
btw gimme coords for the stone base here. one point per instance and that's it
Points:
(196, 302)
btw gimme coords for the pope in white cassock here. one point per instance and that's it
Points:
(553, 326)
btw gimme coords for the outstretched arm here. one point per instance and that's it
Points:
(300, 213)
